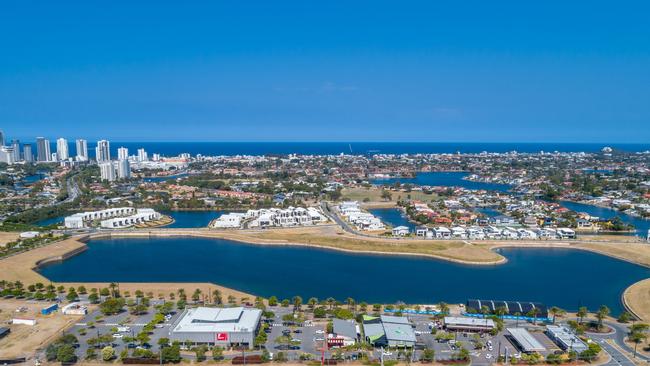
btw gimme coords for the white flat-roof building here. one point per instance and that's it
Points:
(118, 217)
(223, 327)
(141, 216)
(468, 324)
(565, 339)
(229, 220)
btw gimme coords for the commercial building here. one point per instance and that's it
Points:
(387, 330)
(525, 341)
(82, 150)
(224, 327)
(43, 149)
(103, 151)
(62, 149)
(565, 339)
(467, 324)
(345, 333)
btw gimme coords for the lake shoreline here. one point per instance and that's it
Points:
(77, 245)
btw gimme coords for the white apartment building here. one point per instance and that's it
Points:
(107, 171)
(118, 217)
(292, 216)
(142, 155)
(82, 150)
(103, 151)
(123, 169)
(122, 153)
(62, 149)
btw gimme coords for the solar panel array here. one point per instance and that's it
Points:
(511, 307)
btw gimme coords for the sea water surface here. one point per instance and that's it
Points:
(393, 217)
(561, 277)
(642, 225)
(444, 179)
(192, 219)
(358, 148)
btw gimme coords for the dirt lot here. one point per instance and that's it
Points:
(25, 339)
(6, 237)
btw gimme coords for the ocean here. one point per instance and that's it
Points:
(359, 148)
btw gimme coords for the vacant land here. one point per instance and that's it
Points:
(637, 298)
(25, 339)
(372, 195)
(6, 237)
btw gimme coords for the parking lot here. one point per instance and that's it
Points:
(95, 324)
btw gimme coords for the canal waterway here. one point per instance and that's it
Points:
(444, 179)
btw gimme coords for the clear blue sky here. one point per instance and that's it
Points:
(557, 71)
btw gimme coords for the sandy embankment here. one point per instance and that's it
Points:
(330, 237)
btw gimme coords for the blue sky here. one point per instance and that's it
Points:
(556, 71)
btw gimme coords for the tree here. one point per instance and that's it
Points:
(625, 317)
(111, 306)
(217, 353)
(351, 303)
(297, 303)
(200, 352)
(386, 195)
(428, 355)
(72, 295)
(601, 314)
(320, 312)
(273, 301)
(637, 338)
(171, 354)
(444, 308)
(65, 354)
(555, 311)
(582, 313)
(108, 353)
(196, 296)
(163, 342)
(93, 298)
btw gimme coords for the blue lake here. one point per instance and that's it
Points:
(50, 221)
(163, 179)
(444, 179)
(562, 277)
(642, 225)
(192, 219)
(393, 217)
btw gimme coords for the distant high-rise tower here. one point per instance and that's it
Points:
(28, 155)
(82, 150)
(62, 149)
(123, 169)
(43, 149)
(16, 145)
(7, 154)
(142, 155)
(103, 151)
(2, 138)
(122, 153)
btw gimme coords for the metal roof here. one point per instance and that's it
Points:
(202, 319)
(526, 340)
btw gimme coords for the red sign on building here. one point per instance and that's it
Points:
(222, 337)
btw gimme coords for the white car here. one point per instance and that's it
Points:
(118, 335)
(319, 331)
(488, 355)
(388, 353)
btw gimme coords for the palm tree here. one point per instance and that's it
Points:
(113, 286)
(217, 297)
(637, 338)
(351, 303)
(312, 302)
(444, 308)
(601, 314)
(517, 315)
(181, 293)
(555, 311)
(330, 301)
(196, 296)
(533, 313)
(297, 303)
(582, 313)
